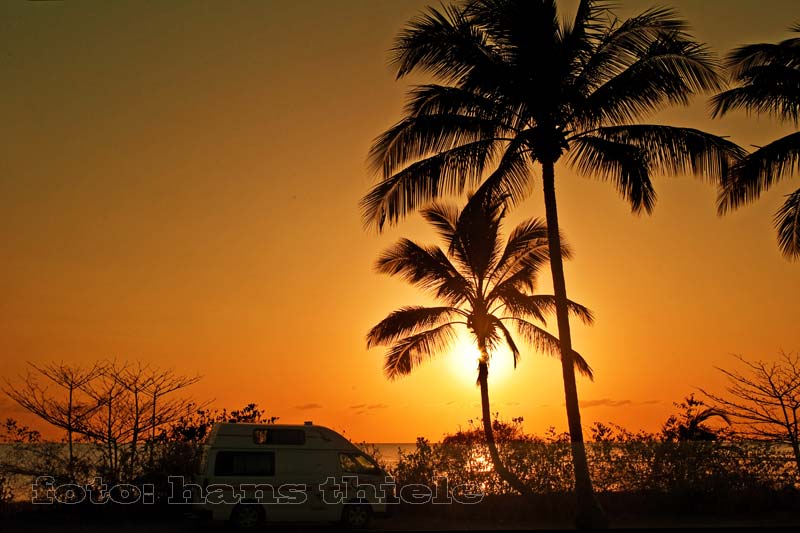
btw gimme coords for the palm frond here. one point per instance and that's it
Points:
(769, 89)
(408, 321)
(521, 272)
(510, 182)
(448, 172)
(509, 338)
(416, 137)
(406, 354)
(546, 303)
(445, 43)
(617, 45)
(537, 305)
(546, 343)
(425, 267)
(477, 235)
(668, 71)
(622, 163)
(759, 171)
(443, 218)
(787, 220)
(785, 53)
(528, 240)
(675, 150)
(445, 100)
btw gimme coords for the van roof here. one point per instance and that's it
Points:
(239, 435)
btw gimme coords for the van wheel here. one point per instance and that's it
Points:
(356, 515)
(247, 516)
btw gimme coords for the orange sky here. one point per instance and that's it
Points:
(179, 185)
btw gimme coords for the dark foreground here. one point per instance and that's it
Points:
(773, 510)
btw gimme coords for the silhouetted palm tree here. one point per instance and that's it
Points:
(483, 286)
(768, 78)
(518, 87)
(690, 424)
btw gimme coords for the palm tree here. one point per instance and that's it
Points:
(768, 79)
(690, 424)
(482, 286)
(516, 87)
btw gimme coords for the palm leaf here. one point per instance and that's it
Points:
(674, 150)
(759, 171)
(622, 163)
(497, 323)
(447, 172)
(549, 344)
(787, 220)
(527, 241)
(770, 89)
(406, 354)
(416, 137)
(408, 321)
(445, 43)
(669, 70)
(445, 100)
(425, 267)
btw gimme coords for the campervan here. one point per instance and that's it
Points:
(256, 473)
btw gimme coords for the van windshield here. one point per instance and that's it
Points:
(358, 463)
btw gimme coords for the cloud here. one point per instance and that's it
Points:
(605, 402)
(650, 402)
(308, 406)
(362, 407)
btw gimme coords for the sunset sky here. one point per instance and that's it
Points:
(179, 184)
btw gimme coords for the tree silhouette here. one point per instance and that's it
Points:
(517, 87)
(691, 423)
(483, 286)
(765, 400)
(768, 78)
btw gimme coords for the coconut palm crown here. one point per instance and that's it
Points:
(485, 288)
(768, 81)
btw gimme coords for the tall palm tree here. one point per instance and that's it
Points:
(483, 286)
(515, 87)
(768, 81)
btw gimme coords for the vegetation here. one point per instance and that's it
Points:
(715, 465)
(768, 81)
(484, 286)
(116, 407)
(516, 87)
(121, 423)
(765, 401)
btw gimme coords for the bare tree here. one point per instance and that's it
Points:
(69, 409)
(113, 405)
(163, 411)
(107, 427)
(135, 380)
(766, 400)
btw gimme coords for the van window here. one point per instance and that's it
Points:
(279, 436)
(245, 464)
(357, 463)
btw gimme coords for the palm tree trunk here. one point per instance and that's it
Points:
(589, 513)
(502, 471)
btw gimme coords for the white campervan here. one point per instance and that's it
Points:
(256, 473)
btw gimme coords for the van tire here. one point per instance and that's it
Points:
(356, 515)
(247, 516)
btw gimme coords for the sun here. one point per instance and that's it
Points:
(464, 357)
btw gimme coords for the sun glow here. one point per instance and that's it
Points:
(464, 361)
